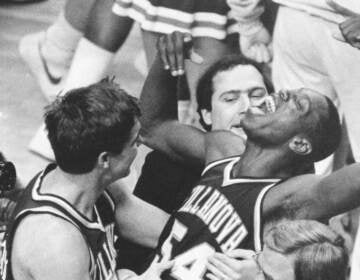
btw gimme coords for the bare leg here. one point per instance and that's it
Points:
(77, 13)
(106, 29)
(104, 35)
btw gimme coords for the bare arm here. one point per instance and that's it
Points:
(48, 247)
(138, 220)
(160, 127)
(316, 197)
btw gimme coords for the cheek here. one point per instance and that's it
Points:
(222, 117)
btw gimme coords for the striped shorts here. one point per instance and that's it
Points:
(200, 18)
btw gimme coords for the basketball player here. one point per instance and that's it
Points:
(63, 226)
(235, 197)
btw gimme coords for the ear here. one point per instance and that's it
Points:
(103, 160)
(300, 145)
(206, 115)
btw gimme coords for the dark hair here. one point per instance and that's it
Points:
(87, 121)
(205, 87)
(326, 132)
(319, 252)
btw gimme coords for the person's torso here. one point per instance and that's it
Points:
(221, 214)
(98, 233)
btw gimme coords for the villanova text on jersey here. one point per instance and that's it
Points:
(221, 214)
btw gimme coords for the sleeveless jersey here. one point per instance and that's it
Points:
(99, 233)
(221, 214)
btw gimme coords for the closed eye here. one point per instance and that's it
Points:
(230, 96)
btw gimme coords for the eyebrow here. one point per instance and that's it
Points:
(238, 91)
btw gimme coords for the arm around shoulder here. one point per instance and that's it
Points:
(139, 221)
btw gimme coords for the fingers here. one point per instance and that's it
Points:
(229, 261)
(265, 53)
(179, 45)
(350, 29)
(260, 53)
(241, 254)
(171, 54)
(220, 273)
(340, 9)
(212, 276)
(173, 49)
(161, 46)
(225, 265)
(164, 265)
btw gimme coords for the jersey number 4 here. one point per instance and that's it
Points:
(192, 263)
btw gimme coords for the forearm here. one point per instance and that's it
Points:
(106, 29)
(158, 100)
(339, 192)
(140, 221)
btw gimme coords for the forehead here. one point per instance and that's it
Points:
(240, 77)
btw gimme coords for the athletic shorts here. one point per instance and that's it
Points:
(200, 18)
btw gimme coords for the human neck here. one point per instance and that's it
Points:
(257, 161)
(81, 191)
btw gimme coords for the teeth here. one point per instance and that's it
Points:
(270, 104)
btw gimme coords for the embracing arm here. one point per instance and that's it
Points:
(316, 197)
(138, 220)
(160, 128)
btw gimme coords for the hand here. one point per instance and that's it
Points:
(350, 28)
(152, 273)
(228, 266)
(257, 46)
(174, 48)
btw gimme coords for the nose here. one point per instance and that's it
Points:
(244, 103)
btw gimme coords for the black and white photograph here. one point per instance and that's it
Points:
(179, 139)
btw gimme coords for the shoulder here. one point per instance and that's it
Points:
(46, 244)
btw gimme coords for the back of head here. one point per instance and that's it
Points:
(87, 121)
(326, 132)
(319, 253)
(205, 87)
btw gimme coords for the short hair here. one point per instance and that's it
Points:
(205, 87)
(325, 132)
(319, 252)
(88, 121)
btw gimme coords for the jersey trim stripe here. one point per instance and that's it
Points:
(218, 162)
(37, 196)
(227, 181)
(110, 199)
(46, 210)
(257, 217)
